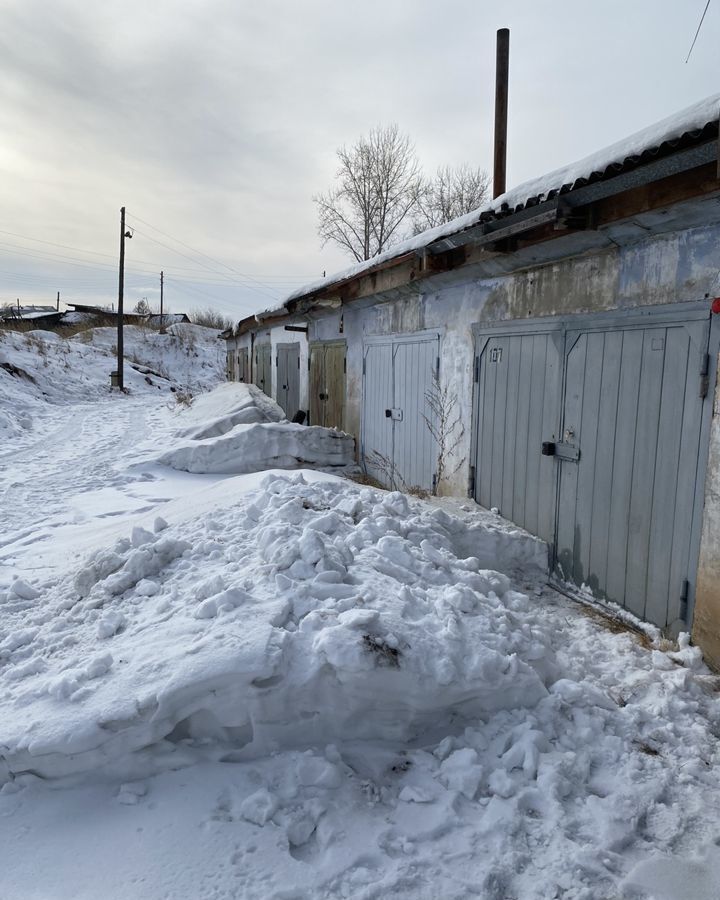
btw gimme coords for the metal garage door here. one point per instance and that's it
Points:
(517, 407)
(288, 378)
(377, 430)
(242, 365)
(397, 447)
(327, 384)
(230, 366)
(633, 413)
(263, 371)
(620, 401)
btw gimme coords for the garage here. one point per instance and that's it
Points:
(398, 449)
(589, 432)
(327, 383)
(287, 361)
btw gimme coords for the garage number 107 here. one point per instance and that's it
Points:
(496, 354)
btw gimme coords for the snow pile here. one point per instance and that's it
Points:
(307, 688)
(305, 615)
(38, 367)
(228, 405)
(236, 429)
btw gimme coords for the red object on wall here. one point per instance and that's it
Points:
(716, 305)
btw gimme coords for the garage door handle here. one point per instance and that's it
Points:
(388, 413)
(567, 452)
(323, 396)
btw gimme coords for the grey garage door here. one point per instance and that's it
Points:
(397, 447)
(263, 371)
(620, 402)
(288, 378)
(518, 379)
(377, 430)
(633, 412)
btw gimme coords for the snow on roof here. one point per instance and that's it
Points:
(26, 313)
(692, 119)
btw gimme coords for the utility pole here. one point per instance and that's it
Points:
(502, 70)
(162, 321)
(121, 288)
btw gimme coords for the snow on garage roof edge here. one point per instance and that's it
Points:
(691, 119)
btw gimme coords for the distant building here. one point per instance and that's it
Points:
(39, 316)
(50, 319)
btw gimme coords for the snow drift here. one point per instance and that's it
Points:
(237, 429)
(310, 613)
(228, 405)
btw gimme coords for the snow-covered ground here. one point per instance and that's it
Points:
(38, 367)
(285, 684)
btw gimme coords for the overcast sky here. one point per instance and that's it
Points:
(215, 121)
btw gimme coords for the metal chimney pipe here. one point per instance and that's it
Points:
(502, 70)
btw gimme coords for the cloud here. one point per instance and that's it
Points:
(217, 120)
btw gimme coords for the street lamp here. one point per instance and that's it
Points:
(121, 287)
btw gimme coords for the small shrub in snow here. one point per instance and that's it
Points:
(210, 318)
(183, 398)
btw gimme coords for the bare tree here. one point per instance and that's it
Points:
(377, 185)
(210, 318)
(454, 191)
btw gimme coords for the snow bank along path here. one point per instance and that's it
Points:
(310, 613)
(237, 429)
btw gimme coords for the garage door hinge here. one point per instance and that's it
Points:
(471, 484)
(476, 376)
(704, 376)
(437, 367)
(344, 365)
(684, 599)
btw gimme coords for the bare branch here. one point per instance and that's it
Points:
(451, 193)
(446, 427)
(377, 185)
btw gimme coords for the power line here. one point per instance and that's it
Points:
(262, 280)
(702, 19)
(228, 279)
(25, 237)
(192, 289)
(78, 263)
(205, 295)
(242, 275)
